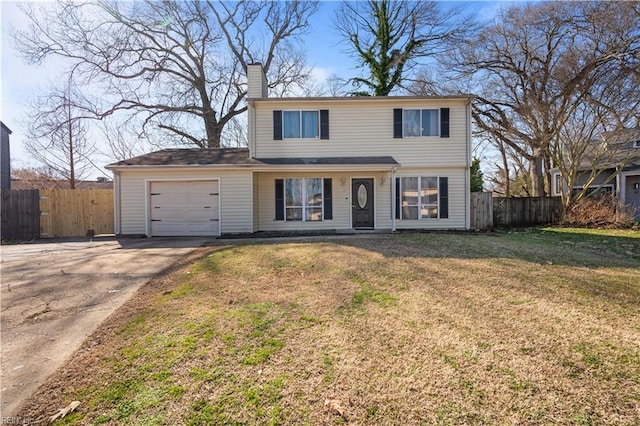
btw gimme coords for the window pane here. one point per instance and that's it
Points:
(314, 192)
(410, 191)
(291, 124)
(411, 122)
(429, 197)
(294, 213)
(429, 192)
(309, 124)
(314, 214)
(293, 192)
(430, 122)
(409, 212)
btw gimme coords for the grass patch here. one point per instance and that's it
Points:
(535, 326)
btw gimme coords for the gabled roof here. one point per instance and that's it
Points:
(239, 157)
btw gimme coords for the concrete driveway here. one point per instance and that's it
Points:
(55, 294)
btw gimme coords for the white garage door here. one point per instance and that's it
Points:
(184, 208)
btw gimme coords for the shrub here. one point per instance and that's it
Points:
(601, 211)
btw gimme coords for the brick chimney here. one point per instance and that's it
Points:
(256, 82)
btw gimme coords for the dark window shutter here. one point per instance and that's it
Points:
(397, 123)
(397, 198)
(277, 125)
(444, 198)
(444, 122)
(324, 124)
(328, 200)
(279, 199)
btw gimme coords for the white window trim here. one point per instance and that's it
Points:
(317, 111)
(420, 197)
(597, 187)
(304, 206)
(421, 126)
(557, 184)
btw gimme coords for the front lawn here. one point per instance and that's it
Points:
(524, 327)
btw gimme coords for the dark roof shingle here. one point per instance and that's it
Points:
(240, 157)
(190, 157)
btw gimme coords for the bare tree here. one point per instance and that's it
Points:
(179, 65)
(390, 38)
(122, 140)
(537, 64)
(57, 135)
(589, 154)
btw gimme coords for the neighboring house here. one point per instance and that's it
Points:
(5, 157)
(312, 164)
(619, 175)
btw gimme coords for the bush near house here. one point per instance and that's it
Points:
(602, 211)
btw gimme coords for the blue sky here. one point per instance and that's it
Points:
(21, 82)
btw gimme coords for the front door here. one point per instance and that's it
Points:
(362, 203)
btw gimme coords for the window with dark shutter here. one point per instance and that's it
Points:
(328, 200)
(444, 198)
(279, 199)
(444, 122)
(397, 198)
(277, 125)
(397, 123)
(324, 124)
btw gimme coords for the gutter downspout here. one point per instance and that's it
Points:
(467, 170)
(252, 129)
(116, 202)
(393, 199)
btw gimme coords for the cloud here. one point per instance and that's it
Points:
(321, 74)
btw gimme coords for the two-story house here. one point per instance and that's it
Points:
(613, 168)
(312, 164)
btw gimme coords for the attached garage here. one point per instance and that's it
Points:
(184, 208)
(185, 192)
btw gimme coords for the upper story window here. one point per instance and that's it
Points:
(301, 124)
(414, 123)
(421, 122)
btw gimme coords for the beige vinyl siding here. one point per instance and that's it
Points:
(256, 205)
(342, 200)
(341, 188)
(365, 128)
(235, 196)
(458, 199)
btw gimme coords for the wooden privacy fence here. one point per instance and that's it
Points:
(75, 212)
(20, 211)
(481, 211)
(488, 211)
(46, 213)
(526, 211)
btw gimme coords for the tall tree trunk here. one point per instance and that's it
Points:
(505, 168)
(72, 169)
(547, 175)
(212, 127)
(536, 173)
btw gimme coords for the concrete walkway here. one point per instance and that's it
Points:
(55, 294)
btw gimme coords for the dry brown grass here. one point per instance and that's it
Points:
(515, 328)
